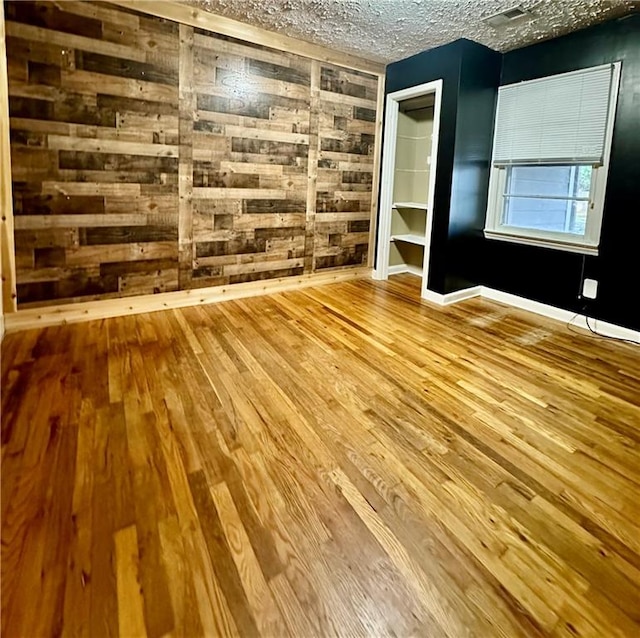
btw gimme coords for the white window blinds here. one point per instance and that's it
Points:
(560, 119)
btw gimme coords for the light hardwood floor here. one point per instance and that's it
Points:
(346, 460)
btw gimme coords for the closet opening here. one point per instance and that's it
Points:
(408, 180)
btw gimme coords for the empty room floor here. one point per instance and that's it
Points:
(339, 461)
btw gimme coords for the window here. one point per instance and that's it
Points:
(550, 159)
(549, 198)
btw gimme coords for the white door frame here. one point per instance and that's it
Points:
(388, 165)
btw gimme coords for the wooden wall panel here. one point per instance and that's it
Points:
(345, 166)
(250, 154)
(149, 156)
(94, 134)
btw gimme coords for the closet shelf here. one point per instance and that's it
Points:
(416, 205)
(419, 240)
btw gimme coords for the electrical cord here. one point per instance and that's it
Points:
(594, 331)
(586, 317)
(581, 281)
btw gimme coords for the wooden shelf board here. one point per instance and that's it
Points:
(419, 240)
(413, 137)
(417, 205)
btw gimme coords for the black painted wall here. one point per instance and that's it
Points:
(552, 276)
(470, 74)
(477, 92)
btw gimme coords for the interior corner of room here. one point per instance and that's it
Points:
(289, 348)
(448, 242)
(316, 185)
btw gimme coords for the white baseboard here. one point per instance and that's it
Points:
(603, 327)
(405, 268)
(551, 312)
(433, 297)
(523, 303)
(607, 329)
(452, 297)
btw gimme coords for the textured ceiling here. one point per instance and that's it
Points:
(389, 30)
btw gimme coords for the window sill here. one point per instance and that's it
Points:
(543, 243)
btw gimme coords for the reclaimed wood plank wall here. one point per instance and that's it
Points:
(152, 156)
(345, 175)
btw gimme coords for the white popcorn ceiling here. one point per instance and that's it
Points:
(390, 30)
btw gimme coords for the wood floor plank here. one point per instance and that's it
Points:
(222, 556)
(130, 600)
(77, 594)
(338, 461)
(267, 615)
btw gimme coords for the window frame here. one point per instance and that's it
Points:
(585, 244)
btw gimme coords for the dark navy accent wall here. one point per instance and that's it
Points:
(440, 63)
(479, 77)
(554, 277)
(470, 74)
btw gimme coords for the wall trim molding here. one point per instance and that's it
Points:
(7, 245)
(106, 308)
(386, 196)
(377, 174)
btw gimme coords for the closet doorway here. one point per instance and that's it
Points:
(412, 123)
